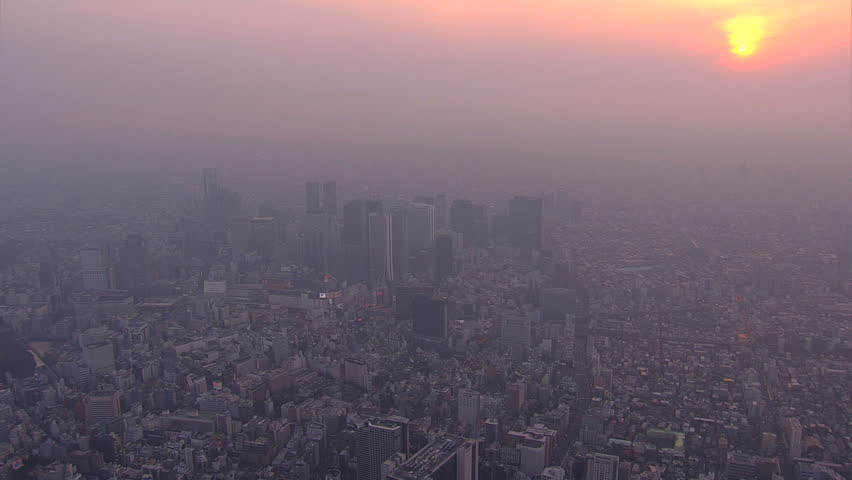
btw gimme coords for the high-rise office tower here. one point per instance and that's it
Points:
(444, 257)
(425, 199)
(354, 236)
(355, 373)
(295, 242)
(468, 408)
(329, 197)
(430, 317)
(462, 220)
(378, 441)
(516, 330)
(94, 266)
(263, 236)
(549, 219)
(556, 303)
(133, 266)
(793, 436)
(421, 226)
(400, 249)
(526, 222)
(321, 238)
(380, 244)
(740, 466)
(321, 197)
(533, 455)
(516, 397)
(576, 212)
(102, 407)
(442, 216)
(355, 222)
(448, 457)
(210, 183)
(601, 467)
(492, 430)
(481, 233)
(218, 201)
(189, 459)
(313, 197)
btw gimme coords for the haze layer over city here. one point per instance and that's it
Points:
(425, 240)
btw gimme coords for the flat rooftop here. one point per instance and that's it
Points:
(429, 459)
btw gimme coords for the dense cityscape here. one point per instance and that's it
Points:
(424, 336)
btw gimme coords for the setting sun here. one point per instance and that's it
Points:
(745, 35)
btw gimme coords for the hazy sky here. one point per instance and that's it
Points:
(490, 80)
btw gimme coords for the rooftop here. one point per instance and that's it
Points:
(429, 459)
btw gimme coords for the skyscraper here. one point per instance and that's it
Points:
(741, 467)
(263, 236)
(515, 330)
(321, 239)
(601, 467)
(94, 266)
(444, 257)
(380, 244)
(430, 317)
(480, 235)
(378, 441)
(210, 183)
(355, 373)
(355, 235)
(133, 266)
(441, 213)
(355, 222)
(329, 197)
(426, 199)
(793, 436)
(468, 408)
(462, 220)
(321, 197)
(526, 222)
(421, 226)
(313, 199)
(400, 249)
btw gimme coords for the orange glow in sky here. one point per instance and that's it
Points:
(780, 31)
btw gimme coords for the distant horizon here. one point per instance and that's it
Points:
(415, 81)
